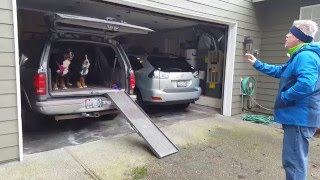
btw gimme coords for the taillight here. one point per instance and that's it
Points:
(132, 82)
(40, 82)
(157, 74)
(195, 74)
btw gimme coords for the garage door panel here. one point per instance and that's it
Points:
(196, 7)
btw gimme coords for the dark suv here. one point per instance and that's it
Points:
(80, 38)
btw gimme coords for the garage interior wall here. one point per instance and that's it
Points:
(9, 139)
(240, 11)
(275, 26)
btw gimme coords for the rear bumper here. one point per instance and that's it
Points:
(71, 106)
(171, 97)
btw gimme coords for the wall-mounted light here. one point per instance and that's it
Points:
(248, 44)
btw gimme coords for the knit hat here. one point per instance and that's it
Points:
(300, 35)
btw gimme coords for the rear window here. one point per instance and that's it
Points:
(170, 64)
(135, 63)
(32, 49)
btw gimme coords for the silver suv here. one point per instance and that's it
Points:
(164, 79)
(78, 96)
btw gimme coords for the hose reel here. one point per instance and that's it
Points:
(248, 86)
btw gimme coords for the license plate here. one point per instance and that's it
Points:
(182, 84)
(93, 103)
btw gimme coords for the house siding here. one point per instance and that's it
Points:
(274, 27)
(9, 140)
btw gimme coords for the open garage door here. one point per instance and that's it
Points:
(203, 44)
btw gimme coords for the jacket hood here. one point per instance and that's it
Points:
(313, 46)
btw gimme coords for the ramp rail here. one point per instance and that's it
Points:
(157, 141)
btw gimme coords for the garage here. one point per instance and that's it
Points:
(180, 37)
(195, 39)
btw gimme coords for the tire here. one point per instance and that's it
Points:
(32, 121)
(183, 106)
(140, 101)
(108, 117)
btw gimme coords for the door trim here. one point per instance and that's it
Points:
(16, 56)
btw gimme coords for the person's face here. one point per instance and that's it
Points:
(291, 41)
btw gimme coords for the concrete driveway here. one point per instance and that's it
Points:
(214, 147)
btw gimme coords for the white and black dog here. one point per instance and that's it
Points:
(81, 82)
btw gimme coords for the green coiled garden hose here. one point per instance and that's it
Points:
(248, 86)
(262, 119)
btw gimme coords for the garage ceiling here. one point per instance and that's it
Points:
(102, 10)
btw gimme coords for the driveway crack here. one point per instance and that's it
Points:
(86, 168)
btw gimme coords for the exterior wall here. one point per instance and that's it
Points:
(276, 18)
(9, 139)
(240, 11)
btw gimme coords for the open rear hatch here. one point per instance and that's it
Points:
(80, 25)
(108, 27)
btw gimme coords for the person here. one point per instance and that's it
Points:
(297, 105)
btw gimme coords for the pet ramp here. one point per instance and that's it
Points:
(159, 144)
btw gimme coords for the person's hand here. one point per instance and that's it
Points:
(251, 58)
(317, 133)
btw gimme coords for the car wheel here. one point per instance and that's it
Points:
(108, 117)
(140, 101)
(31, 120)
(183, 106)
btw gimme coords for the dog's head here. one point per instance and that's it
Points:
(86, 62)
(68, 55)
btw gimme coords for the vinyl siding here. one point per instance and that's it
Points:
(274, 27)
(9, 140)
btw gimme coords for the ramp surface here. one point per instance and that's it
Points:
(158, 142)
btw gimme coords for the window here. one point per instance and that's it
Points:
(170, 64)
(110, 55)
(32, 49)
(135, 63)
(313, 13)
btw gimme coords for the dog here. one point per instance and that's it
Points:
(62, 71)
(84, 70)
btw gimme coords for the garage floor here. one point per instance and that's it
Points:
(72, 132)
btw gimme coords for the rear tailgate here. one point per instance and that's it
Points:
(87, 25)
(178, 80)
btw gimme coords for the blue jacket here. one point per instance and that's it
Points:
(298, 100)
